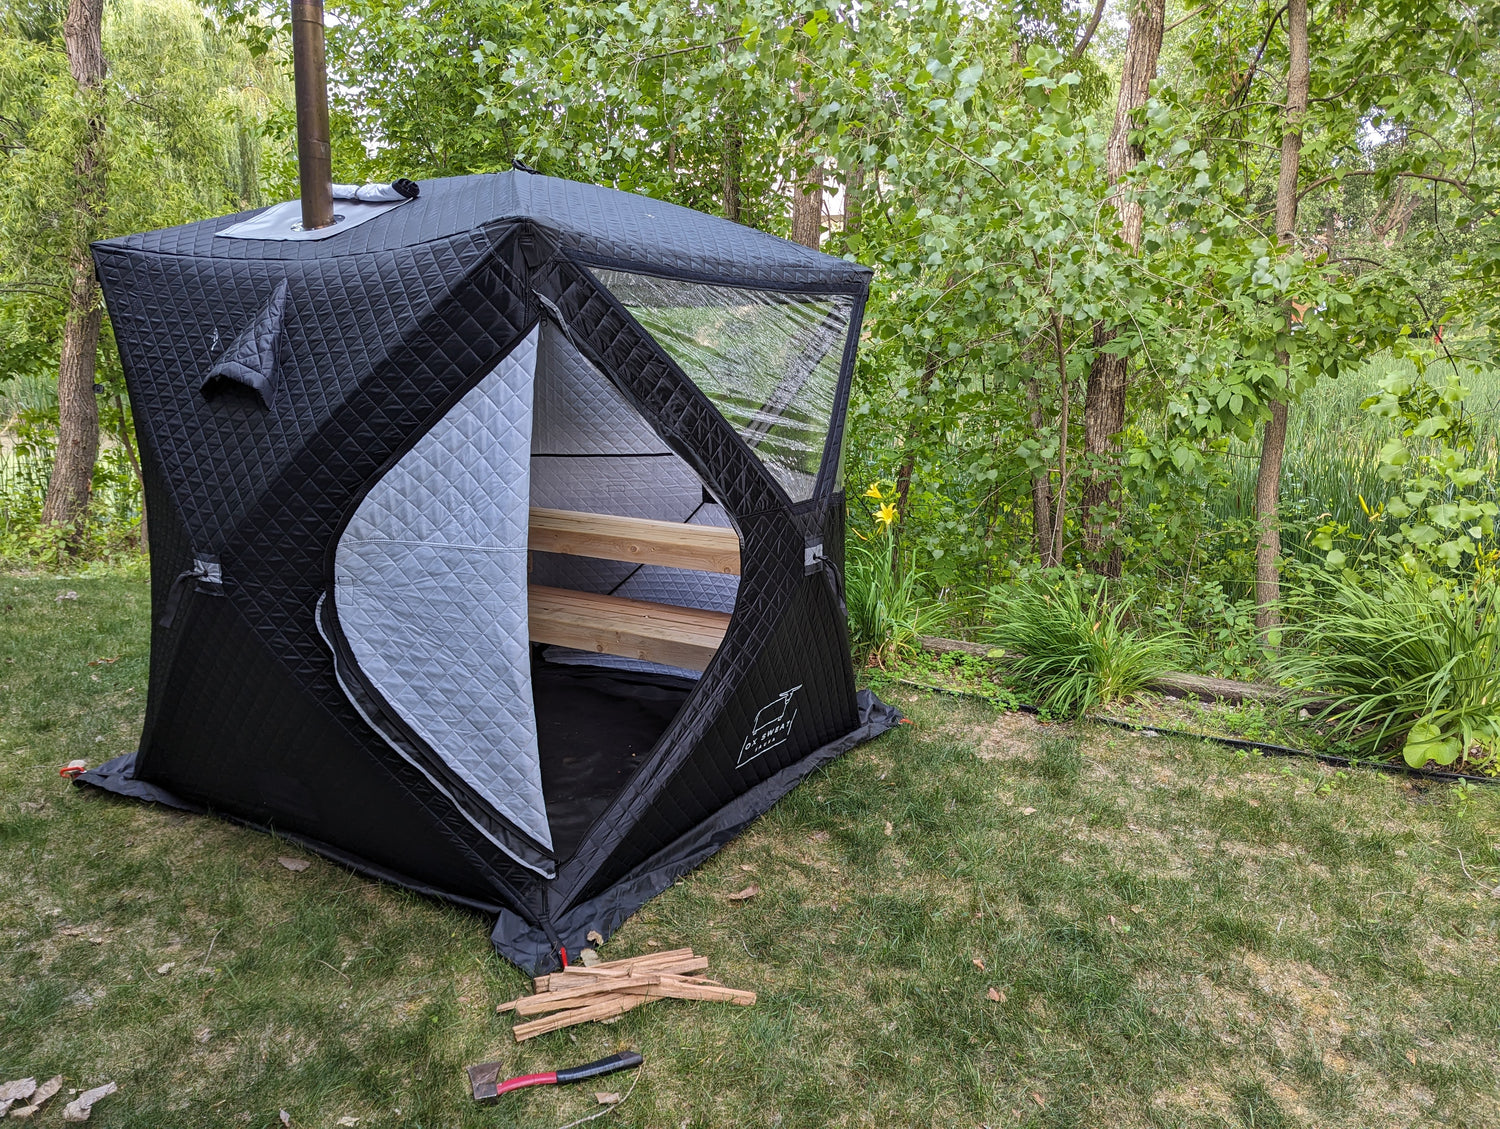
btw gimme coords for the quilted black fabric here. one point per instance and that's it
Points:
(362, 342)
(250, 359)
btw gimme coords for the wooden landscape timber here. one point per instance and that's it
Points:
(1181, 685)
(584, 993)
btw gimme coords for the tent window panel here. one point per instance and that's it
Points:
(769, 361)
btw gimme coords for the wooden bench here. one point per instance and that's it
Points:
(706, 548)
(614, 625)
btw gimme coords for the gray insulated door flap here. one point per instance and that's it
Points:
(429, 610)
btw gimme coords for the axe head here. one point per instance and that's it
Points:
(484, 1078)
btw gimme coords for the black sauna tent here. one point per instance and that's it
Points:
(343, 433)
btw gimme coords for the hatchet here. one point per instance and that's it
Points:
(485, 1078)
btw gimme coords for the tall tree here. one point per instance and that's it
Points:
(807, 195)
(1273, 443)
(78, 411)
(807, 210)
(1104, 399)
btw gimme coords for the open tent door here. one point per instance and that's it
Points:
(430, 594)
(600, 477)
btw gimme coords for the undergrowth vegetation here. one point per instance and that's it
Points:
(888, 609)
(1073, 643)
(1403, 663)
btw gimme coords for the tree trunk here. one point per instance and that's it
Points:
(1104, 399)
(854, 201)
(1041, 487)
(1273, 443)
(909, 459)
(807, 210)
(734, 150)
(1060, 515)
(77, 410)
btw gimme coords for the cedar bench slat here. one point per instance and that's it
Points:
(704, 548)
(613, 625)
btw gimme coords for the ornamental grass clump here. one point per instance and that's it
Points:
(1407, 663)
(888, 612)
(1074, 644)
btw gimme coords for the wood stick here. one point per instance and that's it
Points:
(581, 997)
(613, 1006)
(671, 989)
(572, 976)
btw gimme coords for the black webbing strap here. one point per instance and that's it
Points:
(206, 575)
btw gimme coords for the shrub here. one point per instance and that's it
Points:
(1073, 644)
(1406, 662)
(887, 610)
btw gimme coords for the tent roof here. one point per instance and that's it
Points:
(602, 226)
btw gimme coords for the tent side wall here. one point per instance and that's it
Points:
(246, 715)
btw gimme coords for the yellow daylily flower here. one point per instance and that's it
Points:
(874, 492)
(886, 514)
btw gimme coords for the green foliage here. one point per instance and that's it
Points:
(183, 113)
(1067, 637)
(1427, 484)
(1405, 663)
(1442, 517)
(888, 610)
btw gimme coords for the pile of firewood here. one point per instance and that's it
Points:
(581, 993)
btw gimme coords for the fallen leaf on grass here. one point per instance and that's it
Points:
(607, 1099)
(819, 836)
(1495, 893)
(1411, 1057)
(996, 995)
(61, 596)
(163, 969)
(43, 1094)
(286, 1119)
(346, 1122)
(594, 937)
(70, 931)
(746, 866)
(1036, 1097)
(1137, 909)
(889, 830)
(294, 865)
(745, 895)
(1028, 811)
(20, 1088)
(588, 958)
(80, 1107)
(979, 964)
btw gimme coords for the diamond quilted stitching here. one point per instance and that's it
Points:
(431, 591)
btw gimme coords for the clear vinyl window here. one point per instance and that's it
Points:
(769, 361)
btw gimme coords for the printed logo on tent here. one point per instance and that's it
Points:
(773, 725)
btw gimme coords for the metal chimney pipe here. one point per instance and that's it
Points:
(314, 155)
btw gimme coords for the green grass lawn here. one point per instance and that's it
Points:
(1178, 936)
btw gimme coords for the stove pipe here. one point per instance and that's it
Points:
(314, 156)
